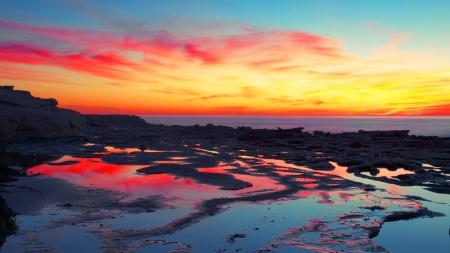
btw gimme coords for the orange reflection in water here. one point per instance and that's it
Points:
(91, 172)
(383, 172)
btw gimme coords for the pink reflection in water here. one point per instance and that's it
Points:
(310, 186)
(91, 172)
(259, 182)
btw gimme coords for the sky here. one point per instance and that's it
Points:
(231, 57)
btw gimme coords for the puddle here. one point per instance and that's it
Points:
(145, 220)
(311, 219)
(92, 172)
(33, 231)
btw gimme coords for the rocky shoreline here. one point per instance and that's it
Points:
(424, 160)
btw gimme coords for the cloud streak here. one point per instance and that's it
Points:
(248, 71)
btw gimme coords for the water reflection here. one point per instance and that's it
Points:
(92, 172)
(312, 218)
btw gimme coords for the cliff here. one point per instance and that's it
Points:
(24, 116)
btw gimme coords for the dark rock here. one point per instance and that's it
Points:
(7, 174)
(362, 167)
(355, 144)
(7, 221)
(402, 177)
(407, 215)
(373, 208)
(115, 120)
(374, 171)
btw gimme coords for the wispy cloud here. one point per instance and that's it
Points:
(244, 69)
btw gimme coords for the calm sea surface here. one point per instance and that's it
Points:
(437, 126)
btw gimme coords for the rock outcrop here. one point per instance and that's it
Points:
(96, 120)
(24, 116)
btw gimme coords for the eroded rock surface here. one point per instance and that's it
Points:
(24, 116)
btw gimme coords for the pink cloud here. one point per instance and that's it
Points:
(193, 52)
(105, 54)
(106, 65)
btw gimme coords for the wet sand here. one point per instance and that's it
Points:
(189, 177)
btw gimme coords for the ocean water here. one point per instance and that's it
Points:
(427, 126)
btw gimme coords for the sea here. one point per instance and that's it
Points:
(418, 125)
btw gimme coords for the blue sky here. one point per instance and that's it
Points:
(424, 21)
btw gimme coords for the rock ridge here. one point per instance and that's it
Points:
(25, 116)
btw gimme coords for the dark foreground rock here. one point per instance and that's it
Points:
(7, 221)
(7, 216)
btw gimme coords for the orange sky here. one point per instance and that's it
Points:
(226, 68)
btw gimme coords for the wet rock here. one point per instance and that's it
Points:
(321, 165)
(407, 215)
(347, 162)
(374, 171)
(439, 189)
(402, 177)
(7, 174)
(232, 238)
(224, 181)
(355, 144)
(7, 221)
(373, 208)
(362, 167)
(391, 167)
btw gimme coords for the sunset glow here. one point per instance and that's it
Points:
(230, 58)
